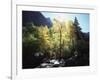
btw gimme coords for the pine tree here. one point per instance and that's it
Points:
(78, 29)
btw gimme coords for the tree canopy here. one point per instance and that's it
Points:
(61, 40)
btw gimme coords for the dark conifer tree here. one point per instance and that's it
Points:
(78, 28)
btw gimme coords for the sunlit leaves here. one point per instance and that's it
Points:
(56, 41)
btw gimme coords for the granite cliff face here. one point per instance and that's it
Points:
(36, 18)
